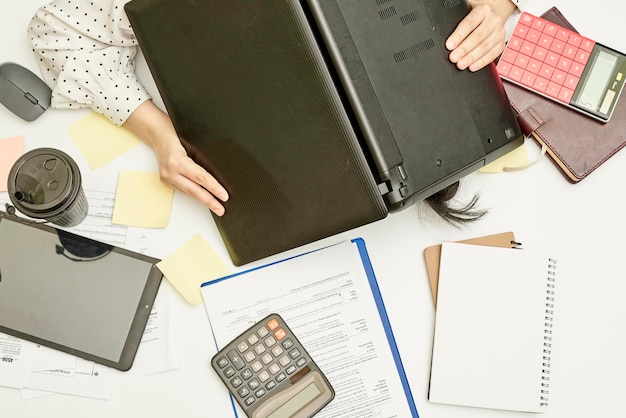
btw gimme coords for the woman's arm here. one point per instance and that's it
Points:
(86, 54)
(155, 128)
(480, 37)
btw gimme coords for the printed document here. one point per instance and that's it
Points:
(327, 300)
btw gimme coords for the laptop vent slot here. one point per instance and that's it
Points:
(388, 12)
(410, 17)
(449, 4)
(413, 51)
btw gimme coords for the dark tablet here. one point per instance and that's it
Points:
(74, 294)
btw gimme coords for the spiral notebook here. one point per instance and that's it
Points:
(493, 328)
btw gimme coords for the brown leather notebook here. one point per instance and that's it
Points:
(432, 255)
(576, 143)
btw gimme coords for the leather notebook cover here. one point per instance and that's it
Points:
(576, 143)
(432, 255)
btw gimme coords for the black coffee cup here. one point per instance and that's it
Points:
(45, 183)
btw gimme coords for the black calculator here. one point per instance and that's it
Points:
(270, 374)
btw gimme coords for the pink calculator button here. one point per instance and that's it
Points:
(582, 56)
(574, 39)
(540, 84)
(553, 89)
(587, 44)
(526, 19)
(509, 55)
(504, 68)
(528, 78)
(516, 73)
(565, 95)
(540, 53)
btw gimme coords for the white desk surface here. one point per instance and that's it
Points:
(582, 223)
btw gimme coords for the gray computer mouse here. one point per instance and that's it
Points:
(22, 92)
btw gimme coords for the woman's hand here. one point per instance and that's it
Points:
(176, 168)
(480, 37)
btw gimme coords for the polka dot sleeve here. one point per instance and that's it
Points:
(86, 54)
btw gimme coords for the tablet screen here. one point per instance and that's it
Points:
(73, 293)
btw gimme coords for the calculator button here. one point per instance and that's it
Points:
(582, 56)
(259, 349)
(538, 24)
(229, 372)
(254, 384)
(574, 39)
(527, 48)
(267, 358)
(260, 393)
(515, 43)
(565, 64)
(295, 353)
(272, 324)
(270, 341)
(546, 71)
(277, 351)
(274, 368)
(242, 346)
(252, 339)
(270, 385)
(222, 362)
(541, 84)
(509, 56)
(587, 44)
(565, 95)
(246, 374)
(264, 376)
(570, 51)
(552, 58)
(287, 344)
(280, 377)
(521, 31)
(301, 361)
(571, 82)
(558, 76)
(534, 66)
(553, 89)
(545, 40)
(280, 334)
(243, 391)
(526, 19)
(528, 79)
(550, 29)
(577, 69)
(558, 46)
(562, 34)
(291, 369)
(236, 359)
(262, 332)
(516, 73)
(236, 382)
(521, 61)
(249, 357)
(504, 68)
(250, 400)
(284, 360)
(256, 366)
(533, 36)
(540, 53)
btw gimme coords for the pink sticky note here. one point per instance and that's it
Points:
(10, 150)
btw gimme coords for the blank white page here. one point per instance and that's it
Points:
(489, 331)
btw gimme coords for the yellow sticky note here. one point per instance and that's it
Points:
(516, 158)
(190, 266)
(142, 200)
(100, 140)
(10, 150)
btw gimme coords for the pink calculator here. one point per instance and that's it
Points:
(564, 66)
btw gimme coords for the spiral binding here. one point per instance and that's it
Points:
(547, 333)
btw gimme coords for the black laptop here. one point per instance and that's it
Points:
(319, 116)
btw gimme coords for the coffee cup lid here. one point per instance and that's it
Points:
(43, 181)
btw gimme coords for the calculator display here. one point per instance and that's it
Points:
(596, 93)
